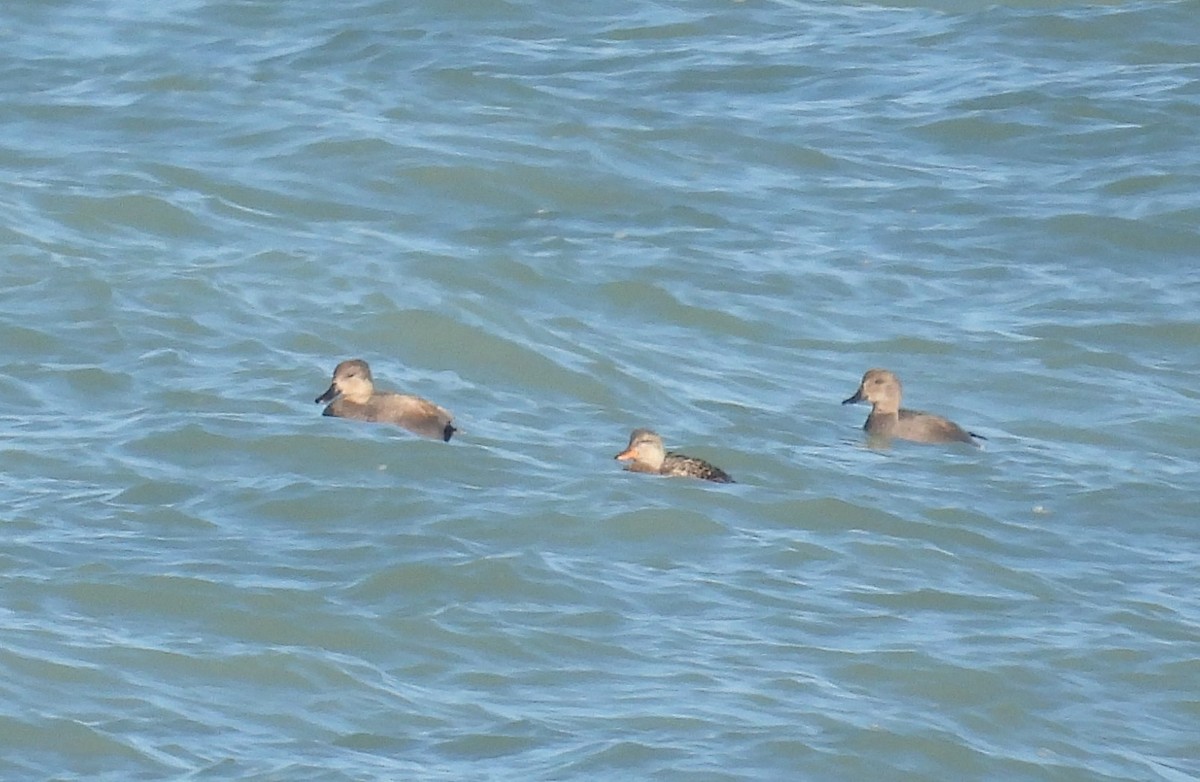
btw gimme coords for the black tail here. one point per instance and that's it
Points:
(448, 432)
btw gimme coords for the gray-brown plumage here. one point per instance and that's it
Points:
(645, 453)
(352, 394)
(887, 419)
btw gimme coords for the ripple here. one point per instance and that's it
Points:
(561, 224)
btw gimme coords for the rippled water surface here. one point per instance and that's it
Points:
(563, 222)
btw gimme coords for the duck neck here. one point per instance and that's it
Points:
(882, 418)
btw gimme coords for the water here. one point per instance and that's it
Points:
(563, 223)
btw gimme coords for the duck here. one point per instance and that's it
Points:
(888, 420)
(645, 453)
(352, 395)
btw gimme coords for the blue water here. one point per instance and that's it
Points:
(562, 223)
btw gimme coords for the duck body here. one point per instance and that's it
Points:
(352, 395)
(917, 426)
(645, 453)
(888, 420)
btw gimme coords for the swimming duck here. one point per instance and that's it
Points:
(645, 453)
(887, 419)
(352, 394)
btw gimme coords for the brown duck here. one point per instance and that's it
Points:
(887, 419)
(645, 453)
(352, 394)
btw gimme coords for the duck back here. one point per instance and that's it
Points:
(413, 413)
(691, 467)
(918, 426)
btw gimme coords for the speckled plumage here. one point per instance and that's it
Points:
(887, 419)
(645, 453)
(352, 395)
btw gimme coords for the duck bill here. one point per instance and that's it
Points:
(626, 455)
(328, 396)
(856, 398)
